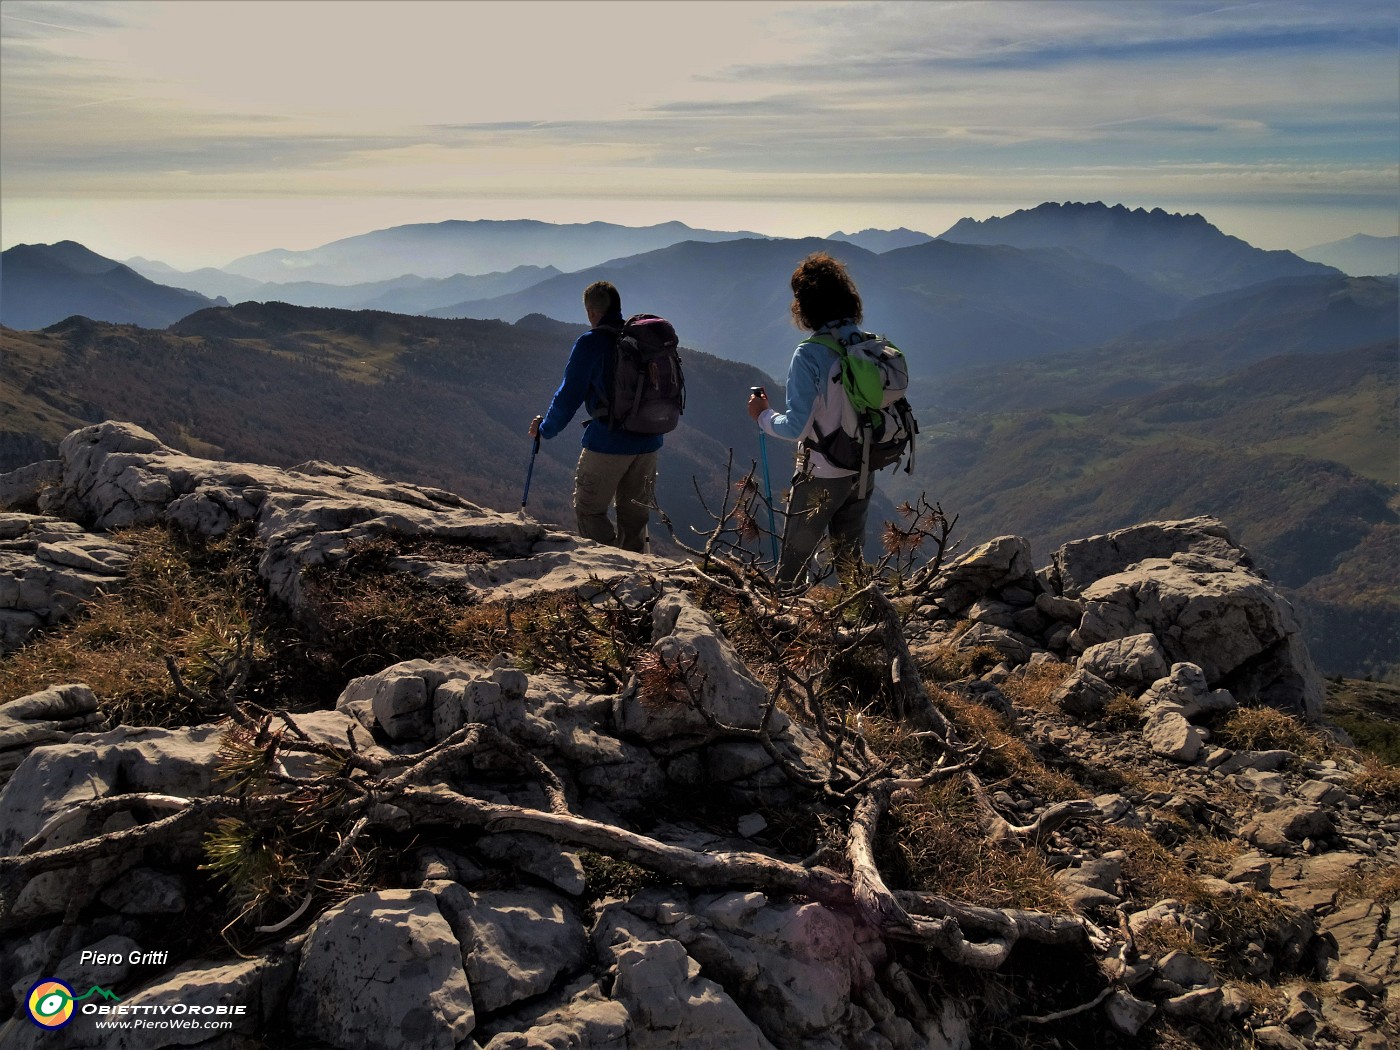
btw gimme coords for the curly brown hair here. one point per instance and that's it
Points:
(822, 292)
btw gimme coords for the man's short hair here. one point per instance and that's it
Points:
(601, 297)
(822, 292)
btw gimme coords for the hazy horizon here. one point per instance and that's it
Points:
(122, 129)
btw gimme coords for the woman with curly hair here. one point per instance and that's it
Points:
(825, 499)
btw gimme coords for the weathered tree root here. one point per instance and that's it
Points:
(915, 917)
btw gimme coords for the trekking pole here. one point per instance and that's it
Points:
(767, 483)
(529, 473)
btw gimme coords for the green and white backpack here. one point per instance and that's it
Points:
(879, 427)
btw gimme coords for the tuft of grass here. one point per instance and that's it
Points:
(1005, 754)
(1268, 729)
(1124, 712)
(1159, 938)
(948, 663)
(607, 877)
(365, 615)
(1152, 872)
(1379, 883)
(1033, 686)
(1377, 781)
(934, 842)
(195, 601)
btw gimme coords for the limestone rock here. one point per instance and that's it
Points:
(21, 489)
(1130, 663)
(672, 1005)
(114, 474)
(581, 1016)
(516, 943)
(50, 716)
(179, 762)
(999, 563)
(383, 969)
(1079, 564)
(1202, 1005)
(1216, 614)
(1013, 648)
(1186, 691)
(686, 639)
(1168, 734)
(1187, 970)
(1083, 694)
(48, 569)
(144, 891)
(1127, 1013)
(1280, 830)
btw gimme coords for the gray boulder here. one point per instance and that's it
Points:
(50, 716)
(1279, 831)
(48, 569)
(1130, 663)
(114, 474)
(722, 691)
(516, 943)
(1079, 564)
(1214, 613)
(984, 571)
(1083, 694)
(383, 970)
(1186, 691)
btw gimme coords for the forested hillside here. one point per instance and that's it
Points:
(437, 402)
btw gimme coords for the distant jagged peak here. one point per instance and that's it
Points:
(1184, 254)
(1052, 211)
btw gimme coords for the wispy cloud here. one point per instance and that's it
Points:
(818, 100)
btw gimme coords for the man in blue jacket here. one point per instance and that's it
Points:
(615, 466)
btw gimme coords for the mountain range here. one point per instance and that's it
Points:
(1359, 255)
(444, 249)
(1078, 275)
(408, 294)
(44, 283)
(1068, 383)
(438, 402)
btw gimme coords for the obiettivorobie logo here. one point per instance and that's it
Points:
(51, 1002)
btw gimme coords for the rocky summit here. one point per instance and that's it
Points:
(554, 795)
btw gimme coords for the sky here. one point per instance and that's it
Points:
(197, 132)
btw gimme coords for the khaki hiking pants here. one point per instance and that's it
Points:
(603, 478)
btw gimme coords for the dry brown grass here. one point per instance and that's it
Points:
(1033, 686)
(1152, 873)
(192, 603)
(948, 663)
(935, 843)
(1380, 883)
(1124, 712)
(1005, 755)
(1267, 729)
(1158, 938)
(1377, 781)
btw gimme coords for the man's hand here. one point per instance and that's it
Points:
(758, 402)
(535, 426)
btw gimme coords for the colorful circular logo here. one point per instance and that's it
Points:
(51, 1004)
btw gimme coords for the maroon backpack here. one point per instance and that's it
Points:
(645, 388)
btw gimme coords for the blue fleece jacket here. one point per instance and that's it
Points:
(808, 373)
(584, 386)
